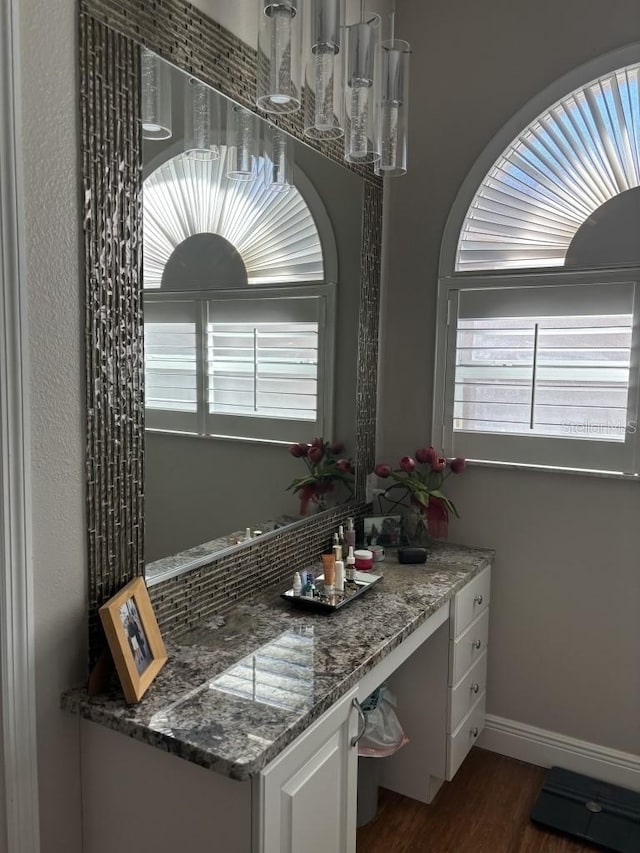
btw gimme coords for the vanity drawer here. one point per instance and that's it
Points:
(470, 602)
(461, 741)
(468, 648)
(465, 695)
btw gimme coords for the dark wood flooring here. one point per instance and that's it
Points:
(484, 810)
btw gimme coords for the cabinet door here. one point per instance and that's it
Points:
(308, 794)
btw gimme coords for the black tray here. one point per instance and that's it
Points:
(336, 600)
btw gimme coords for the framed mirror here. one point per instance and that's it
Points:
(297, 274)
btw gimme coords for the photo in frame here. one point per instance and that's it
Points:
(134, 638)
(383, 530)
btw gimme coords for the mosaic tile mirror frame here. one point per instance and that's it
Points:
(111, 35)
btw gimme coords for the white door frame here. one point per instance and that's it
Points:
(17, 677)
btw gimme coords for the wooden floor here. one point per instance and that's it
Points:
(484, 810)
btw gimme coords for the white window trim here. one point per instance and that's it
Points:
(326, 365)
(442, 423)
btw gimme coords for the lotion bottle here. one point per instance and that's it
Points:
(350, 537)
(297, 585)
(350, 568)
(339, 582)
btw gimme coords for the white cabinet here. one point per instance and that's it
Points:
(307, 796)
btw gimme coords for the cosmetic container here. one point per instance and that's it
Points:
(350, 535)
(297, 585)
(329, 571)
(350, 568)
(364, 559)
(339, 582)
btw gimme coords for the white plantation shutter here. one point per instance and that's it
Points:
(566, 164)
(171, 365)
(254, 365)
(265, 369)
(544, 375)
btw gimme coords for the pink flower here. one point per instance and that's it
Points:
(318, 442)
(426, 454)
(343, 465)
(439, 464)
(408, 464)
(336, 447)
(297, 450)
(315, 453)
(458, 465)
(382, 470)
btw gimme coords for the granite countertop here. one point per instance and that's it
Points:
(240, 688)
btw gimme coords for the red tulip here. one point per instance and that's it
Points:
(382, 470)
(315, 453)
(343, 465)
(458, 465)
(297, 450)
(318, 442)
(408, 464)
(336, 447)
(439, 464)
(426, 454)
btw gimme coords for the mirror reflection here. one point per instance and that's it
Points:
(251, 267)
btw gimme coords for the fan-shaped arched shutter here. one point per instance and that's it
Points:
(573, 158)
(274, 232)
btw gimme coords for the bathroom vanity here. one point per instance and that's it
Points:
(264, 705)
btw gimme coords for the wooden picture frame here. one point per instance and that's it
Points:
(134, 638)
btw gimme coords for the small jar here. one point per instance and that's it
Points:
(364, 559)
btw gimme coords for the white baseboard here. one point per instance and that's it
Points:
(549, 749)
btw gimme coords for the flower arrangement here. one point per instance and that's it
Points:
(326, 467)
(422, 479)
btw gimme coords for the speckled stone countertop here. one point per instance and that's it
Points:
(240, 688)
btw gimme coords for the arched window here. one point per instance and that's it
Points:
(539, 320)
(238, 311)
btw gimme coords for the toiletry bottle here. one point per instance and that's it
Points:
(341, 539)
(350, 569)
(247, 535)
(339, 582)
(337, 552)
(329, 572)
(297, 585)
(309, 587)
(350, 535)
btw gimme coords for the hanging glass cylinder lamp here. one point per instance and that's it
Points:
(278, 172)
(361, 138)
(393, 108)
(279, 82)
(156, 97)
(242, 143)
(324, 103)
(201, 121)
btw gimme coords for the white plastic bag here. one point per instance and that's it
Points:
(383, 734)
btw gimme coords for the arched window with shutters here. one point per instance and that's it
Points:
(539, 319)
(239, 284)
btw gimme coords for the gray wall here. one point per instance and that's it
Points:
(565, 634)
(57, 399)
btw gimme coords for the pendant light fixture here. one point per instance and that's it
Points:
(242, 143)
(278, 174)
(361, 101)
(324, 101)
(394, 105)
(279, 83)
(201, 121)
(156, 97)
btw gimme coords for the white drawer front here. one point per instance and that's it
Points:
(468, 648)
(464, 695)
(470, 602)
(461, 741)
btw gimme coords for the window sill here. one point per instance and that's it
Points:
(607, 475)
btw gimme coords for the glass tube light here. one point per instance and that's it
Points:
(156, 97)
(242, 143)
(279, 85)
(360, 139)
(201, 121)
(324, 104)
(279, 149)
(393, 108)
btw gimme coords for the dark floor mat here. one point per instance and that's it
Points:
(602, 814)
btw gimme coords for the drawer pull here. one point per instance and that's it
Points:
(474, 731)
(362, 720)
(475, 687)
(478, 599)
(477, 644)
